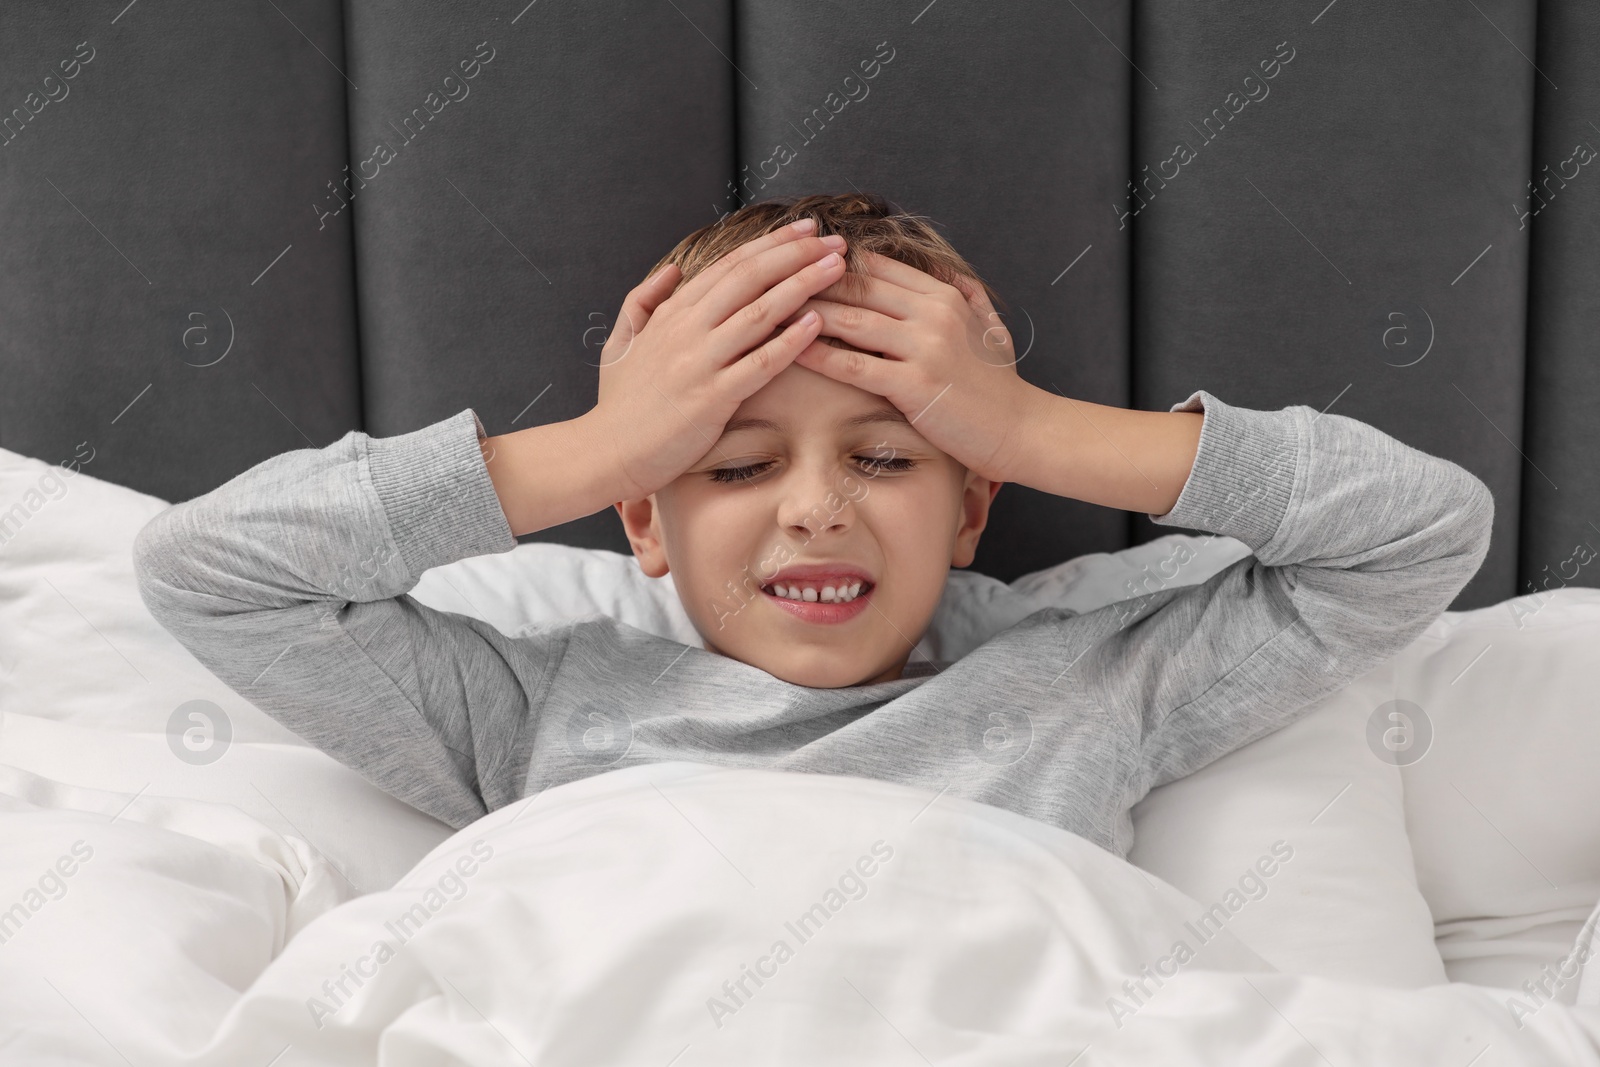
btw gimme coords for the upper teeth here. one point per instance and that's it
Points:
(828, 594)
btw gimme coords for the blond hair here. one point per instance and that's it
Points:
(866, 221)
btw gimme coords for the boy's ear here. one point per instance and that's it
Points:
(638, 522)
(977, 495)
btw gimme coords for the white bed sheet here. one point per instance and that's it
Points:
(930, 928)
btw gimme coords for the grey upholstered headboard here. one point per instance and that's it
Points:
(1281, 202)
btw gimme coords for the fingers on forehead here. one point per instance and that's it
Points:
(776, 255)
(700, 283)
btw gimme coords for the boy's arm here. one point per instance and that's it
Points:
(288, 583)
(1360, 541)
(1116, 457)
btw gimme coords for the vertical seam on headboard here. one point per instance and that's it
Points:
(1131, 526)
(735, 99)
(355, 267)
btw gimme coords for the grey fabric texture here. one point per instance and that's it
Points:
(1352, 227)
(290, 583)
(167, 298)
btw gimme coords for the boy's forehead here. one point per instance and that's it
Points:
(797, 395)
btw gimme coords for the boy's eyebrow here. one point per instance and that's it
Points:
(866, 418)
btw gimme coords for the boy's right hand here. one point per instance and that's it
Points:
(676, 367)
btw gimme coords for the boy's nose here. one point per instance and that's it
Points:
(816, 502)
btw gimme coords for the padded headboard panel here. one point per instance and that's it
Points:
(168, 305)
(235, 230)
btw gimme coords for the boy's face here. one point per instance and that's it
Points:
(815, 496)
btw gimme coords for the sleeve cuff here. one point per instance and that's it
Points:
(436, 493)
(1244, 471)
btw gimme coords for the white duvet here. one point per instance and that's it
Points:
(675, 914)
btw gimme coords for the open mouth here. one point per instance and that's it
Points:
(819, 592)
(820, 601)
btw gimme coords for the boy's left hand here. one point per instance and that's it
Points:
(948, 363)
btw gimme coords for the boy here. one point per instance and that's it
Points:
(809, 498)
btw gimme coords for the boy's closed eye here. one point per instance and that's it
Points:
(873, 465)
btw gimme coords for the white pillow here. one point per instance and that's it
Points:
(90, 684)
(76, 643)
(1504, 808)
(1342, 899)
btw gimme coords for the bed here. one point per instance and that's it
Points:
(208, 260)
(186, 882)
